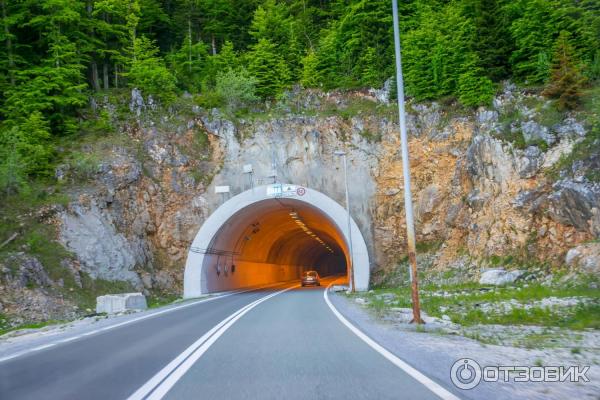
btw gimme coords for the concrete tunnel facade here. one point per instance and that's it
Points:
(273, 233)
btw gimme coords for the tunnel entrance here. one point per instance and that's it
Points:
(273, 233)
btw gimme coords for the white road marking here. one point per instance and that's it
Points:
(165, 379)
(130, 321)
(436, 388)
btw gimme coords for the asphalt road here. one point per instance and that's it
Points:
(288, 346)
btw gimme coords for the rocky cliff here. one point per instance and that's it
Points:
(491, 186)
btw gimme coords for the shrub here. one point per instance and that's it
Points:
(236, 87)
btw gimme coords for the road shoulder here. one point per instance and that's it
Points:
(433, 354)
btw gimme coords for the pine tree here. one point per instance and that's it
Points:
(311, 75)
(56, 85)
(268, 67)
(226, 59)
(190, 64)
(149, 73)
(109, 22)
(566, 80)
(474, 87)
(12, 15)
(216, 22)
(370, 71)
(532, 29)
(493, 42)
(12, 169)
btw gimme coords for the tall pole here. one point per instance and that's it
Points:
(351, 266)
(410, 224)
(351, 269)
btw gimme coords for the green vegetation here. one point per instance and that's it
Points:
(462, 303)
(56, 54)
(5, 327)
(566, 81)
(587, 148)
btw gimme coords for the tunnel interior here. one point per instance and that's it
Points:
(270, 241)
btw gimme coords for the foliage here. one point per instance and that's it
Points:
(53, 53)
(268, 67)
(148, 73)
(462, 301)
(311, 76)
(236, 87)
(565, 81)
(474, 88)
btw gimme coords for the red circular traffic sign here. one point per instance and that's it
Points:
(300, 191)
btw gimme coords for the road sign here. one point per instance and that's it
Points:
(300, 191)
(282, 190)
(221, 189)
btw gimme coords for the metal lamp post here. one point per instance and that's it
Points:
(351, 266)
(410, 225)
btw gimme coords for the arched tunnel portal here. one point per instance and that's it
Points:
(271, 234)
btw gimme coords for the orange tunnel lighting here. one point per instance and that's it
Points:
(279, 232)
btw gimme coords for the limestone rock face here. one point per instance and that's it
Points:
(104, 253)
(474, 192)
(572, 203)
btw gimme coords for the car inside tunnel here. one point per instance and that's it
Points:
(273, 240)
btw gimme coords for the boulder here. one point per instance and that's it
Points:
(585, 257)
(571, 203)
(116, 303)
(499, 276)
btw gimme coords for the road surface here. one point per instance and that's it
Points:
(278, 343)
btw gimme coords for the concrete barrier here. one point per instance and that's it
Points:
(116, 303)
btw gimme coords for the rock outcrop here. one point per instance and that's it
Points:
(477, 195)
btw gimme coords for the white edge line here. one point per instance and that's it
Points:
(130, 321)
(419, 376)
(166, 378)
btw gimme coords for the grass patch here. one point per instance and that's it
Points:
(85, 297)
(159, 300)
(35, 325)
(462, 303)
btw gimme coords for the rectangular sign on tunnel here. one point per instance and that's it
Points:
(281, 190)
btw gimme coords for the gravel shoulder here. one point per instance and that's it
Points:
(433, 352)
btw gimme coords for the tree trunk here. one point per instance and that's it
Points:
(214, 45)
(94, 65)
(95, 80)
(105, 74)
(190, 45)
(116, 76)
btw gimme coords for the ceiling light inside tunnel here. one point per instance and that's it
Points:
(294, 215)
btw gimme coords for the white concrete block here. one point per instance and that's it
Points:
(116, 303)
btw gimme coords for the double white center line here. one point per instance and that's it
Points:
(165, 379)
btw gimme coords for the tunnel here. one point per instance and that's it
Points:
(273, 233)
